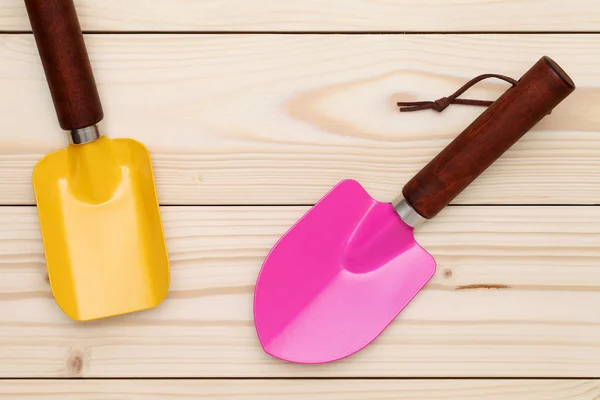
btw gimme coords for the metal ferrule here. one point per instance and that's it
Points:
(408, 214)
(84, 135)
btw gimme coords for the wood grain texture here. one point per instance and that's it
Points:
(516, 294)
(325, 15)
(280, 119)
(302, 390)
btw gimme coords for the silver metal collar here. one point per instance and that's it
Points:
(84, 135)
(408, 214)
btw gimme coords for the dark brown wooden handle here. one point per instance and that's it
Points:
(500, 126)
(66, 64)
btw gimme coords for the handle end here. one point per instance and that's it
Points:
(559, 72)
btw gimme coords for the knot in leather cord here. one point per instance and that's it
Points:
(443, 103)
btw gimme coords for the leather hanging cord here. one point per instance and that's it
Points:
(443, 103)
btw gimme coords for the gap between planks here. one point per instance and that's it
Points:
(317, 33)
(361, 389)
(312, 205)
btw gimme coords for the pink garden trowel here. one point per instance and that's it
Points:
(344, 272)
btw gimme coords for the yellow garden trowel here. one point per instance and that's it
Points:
(97, 203)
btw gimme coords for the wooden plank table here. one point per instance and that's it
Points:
(252, 112)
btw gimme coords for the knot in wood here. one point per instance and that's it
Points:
(75, 363)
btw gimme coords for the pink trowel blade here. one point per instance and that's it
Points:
(343, 273)
(335, 281)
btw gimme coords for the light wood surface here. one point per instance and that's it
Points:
(303, 389)
(516, 294)
(325, 15)
(271, 119)
(277, 118)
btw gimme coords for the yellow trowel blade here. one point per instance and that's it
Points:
(102, 230)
